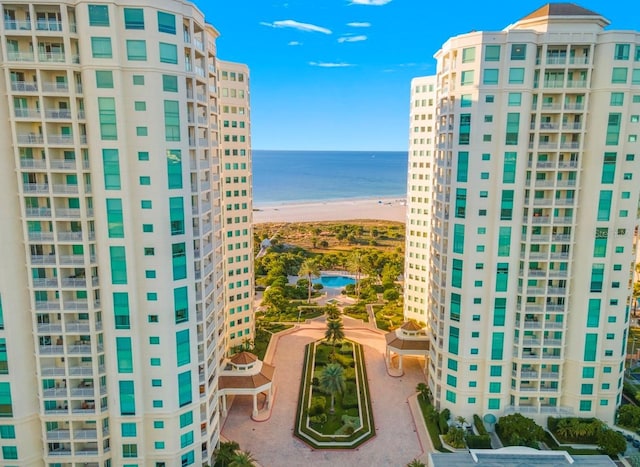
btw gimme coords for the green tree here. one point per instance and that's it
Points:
(223, 455)
(355, 263)
(518, 430)
(274, 299)
(332, 382)
(455, 437)
(416, 463)
(332, 312)
(424, 391)
(242, 459)
(611, 442)
(311, 269)
(334, 332)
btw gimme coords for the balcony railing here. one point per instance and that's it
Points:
(17, 25)
(14, 56)
(24, 86)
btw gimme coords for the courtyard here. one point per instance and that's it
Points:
(271, 442)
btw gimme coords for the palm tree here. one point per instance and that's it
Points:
(416, 463)
(224, 453)
(242, 459)
(332, 382)
(309, 268)
(355, 263)
(424, 391)
(334, 331)
(332, 312)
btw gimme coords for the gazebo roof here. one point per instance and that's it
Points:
(411, 326)
(265, 376)
(243, 358)
(400, 343)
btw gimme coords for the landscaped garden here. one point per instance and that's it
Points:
(334, 408)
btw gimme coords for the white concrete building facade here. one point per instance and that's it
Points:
(534, 204)
(112, 289)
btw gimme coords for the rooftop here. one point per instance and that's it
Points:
(560, 9)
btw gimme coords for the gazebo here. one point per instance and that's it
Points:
(408, 339)
(244, 374)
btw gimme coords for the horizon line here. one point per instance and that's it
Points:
(334, 150)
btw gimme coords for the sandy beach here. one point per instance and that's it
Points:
(389, 209)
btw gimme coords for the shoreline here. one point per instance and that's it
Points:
(381, 208)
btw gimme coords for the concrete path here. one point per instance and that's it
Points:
(272, 442)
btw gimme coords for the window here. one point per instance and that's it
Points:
(166, 22)
(142, 131)
(509, 167)
(128, 430)
(616, 99)
(597, 277)
(491, 53)
(156, 383)
(107, 116)
(504, 241)
(181, 304)
(170, 83)
(608, 168)
(138, 80)
(121, 310)
(9, 452)
(518, 51)
(124, 355)
(515, 99)
(101, 47)
(171, 121)
(136, 50)
(468, 54)
(118, 265)
(488, 118)
(506, 205)
(145, 181)
(490, 76)
(104, 79)
(466, 77)
(613, 129)
(186, 419)
(604, 205)
(133, 18)
(593, 313)
(465, 101)
(168, 53)
(7, 432)
(502, 277)
(516, 75)
(184, 389)
(155, 361)
(458, 238)
(489, 99)
(463, 166)
(513, 126)
(465, 129)
(179, 261)
(619, 75)
(622, 52)
(129, 450)
(635, 76)
(140, 106)
(127, 398)
(111, 168)
(158, 444)
(158, 424)
(461, 203)
(143, 156)
(174, 168)
(98, 15)
(115, 223)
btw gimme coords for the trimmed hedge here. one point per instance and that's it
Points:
(478, 441)
(479, 424)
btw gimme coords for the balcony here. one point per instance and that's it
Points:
(17, 25)
(27, 163)
(52, 86)
(58, 435)
(52, 57)
(57, 113)
(14, 56)
(26, 113)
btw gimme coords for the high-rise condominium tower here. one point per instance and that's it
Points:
(535, 167)
(116, 258)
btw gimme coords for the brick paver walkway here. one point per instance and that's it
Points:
(272, 442)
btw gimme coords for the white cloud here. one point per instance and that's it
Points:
(331, 64)
(370, 2)
(352, 38)
(294, 43)
(289, 23)
(357, 24)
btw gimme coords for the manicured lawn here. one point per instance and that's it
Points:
(263, 336)
(352, 422)
(291, 316)
(357, 311)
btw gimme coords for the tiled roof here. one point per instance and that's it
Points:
(247, 381)
(406, 344)
(411, 326)
(560, 9)
(243, 358)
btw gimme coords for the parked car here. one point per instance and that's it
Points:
(636, 443)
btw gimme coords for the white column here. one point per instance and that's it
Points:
(269, 397)
(255, 405)
(400, 361)
(224, 404)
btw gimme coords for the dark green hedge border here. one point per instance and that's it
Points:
(313, 438)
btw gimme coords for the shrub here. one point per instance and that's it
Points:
(322, 418)
(629, 416)
(455, 437)
(391, 294)
(518, 430)
(478, 441)
(552, 424)
(349, 374)
(315, 381)
(611, 442)
(443, 422)
(317, 286)
(479, 424)
(318, 405)
(350, 396)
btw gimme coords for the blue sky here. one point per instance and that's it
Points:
(335, 74)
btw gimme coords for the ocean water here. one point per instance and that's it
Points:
(303, 176)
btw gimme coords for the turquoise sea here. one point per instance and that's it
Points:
(293, 176)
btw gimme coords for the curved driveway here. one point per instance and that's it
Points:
(272, 443)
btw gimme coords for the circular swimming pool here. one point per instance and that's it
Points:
(334, 282)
